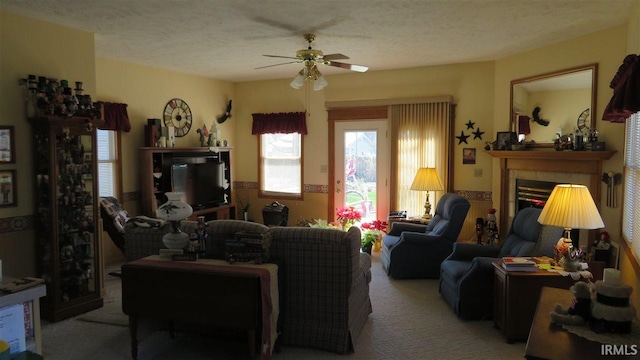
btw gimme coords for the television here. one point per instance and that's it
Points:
(201, 180)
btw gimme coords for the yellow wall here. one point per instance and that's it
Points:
(33, 47)
(561, 108)
(146, 91)
(471, 85)
(608, 49)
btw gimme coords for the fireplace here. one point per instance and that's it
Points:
(535, 193)
(574, 167)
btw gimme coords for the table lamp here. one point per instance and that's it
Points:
(571, 207)
(174, 210)
(427, 179)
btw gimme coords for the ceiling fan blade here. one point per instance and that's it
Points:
(335, 57)
(280, 56)
(267, 66)
(358, 68)
(277, 24)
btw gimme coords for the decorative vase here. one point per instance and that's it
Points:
(377, 246)
(174, 210)
(570, 265)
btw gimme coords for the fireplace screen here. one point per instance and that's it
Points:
(532, 193)
(535, 193)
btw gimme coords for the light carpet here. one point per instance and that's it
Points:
(409, 321)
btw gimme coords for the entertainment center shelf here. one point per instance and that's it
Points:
(203, 173)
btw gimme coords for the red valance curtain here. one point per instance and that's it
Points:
(116, 117)
(279, 123)
(626, 91)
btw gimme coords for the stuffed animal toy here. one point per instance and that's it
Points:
(579, 312)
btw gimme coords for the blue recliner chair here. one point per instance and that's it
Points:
(466, 276)
(415, 250)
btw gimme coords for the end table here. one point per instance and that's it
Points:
(516, 295)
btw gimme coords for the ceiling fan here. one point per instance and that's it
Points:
(311, 58)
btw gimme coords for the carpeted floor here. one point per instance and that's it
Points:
(409, 321)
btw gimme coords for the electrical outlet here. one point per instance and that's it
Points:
(323, 169)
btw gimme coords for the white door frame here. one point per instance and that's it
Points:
(382, 161)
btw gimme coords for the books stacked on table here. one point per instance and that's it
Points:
(519, 264)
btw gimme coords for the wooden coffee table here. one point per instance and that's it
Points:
(208, 292)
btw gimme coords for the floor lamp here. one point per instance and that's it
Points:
(427, 179)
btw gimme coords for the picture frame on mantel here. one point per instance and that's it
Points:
(8, 188)
(504, 140)
(7, 145)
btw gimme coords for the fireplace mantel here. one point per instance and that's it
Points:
(575, 162)
(553, 155)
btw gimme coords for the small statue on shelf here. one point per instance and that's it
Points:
(204, 135)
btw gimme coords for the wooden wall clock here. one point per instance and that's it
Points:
(178, 114)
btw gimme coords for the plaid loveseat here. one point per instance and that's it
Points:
(326, 278)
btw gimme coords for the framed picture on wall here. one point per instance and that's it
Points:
(505, 139)
(469, 156)
(7, 145)
(8, 188)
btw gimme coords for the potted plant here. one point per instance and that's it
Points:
(373, 229)
(369, 237)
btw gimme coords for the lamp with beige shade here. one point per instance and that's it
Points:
(427, 179)
(571, 207)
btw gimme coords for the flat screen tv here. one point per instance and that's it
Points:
(202, 183)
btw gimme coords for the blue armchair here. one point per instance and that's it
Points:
(415, 250)
(466, 276)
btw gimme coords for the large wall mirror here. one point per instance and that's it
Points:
(560, 101)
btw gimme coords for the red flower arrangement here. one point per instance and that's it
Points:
(372, 233)
(348, 213)
(375, 225)
(348, 216)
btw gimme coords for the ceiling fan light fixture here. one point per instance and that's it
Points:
(320, 83)
(298, 80)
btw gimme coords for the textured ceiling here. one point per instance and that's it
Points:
(224, 39)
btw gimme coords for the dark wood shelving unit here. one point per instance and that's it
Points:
(156, 178)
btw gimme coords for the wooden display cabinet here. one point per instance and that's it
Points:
(65, 194)
(156, 178)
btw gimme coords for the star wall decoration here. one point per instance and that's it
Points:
(462, 138)
(470, 125)
(477, 134)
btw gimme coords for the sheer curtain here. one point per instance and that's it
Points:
(421, 137)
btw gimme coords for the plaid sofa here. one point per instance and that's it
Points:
(325, 290)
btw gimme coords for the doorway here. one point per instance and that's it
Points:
(361, 167)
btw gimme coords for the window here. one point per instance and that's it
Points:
(108, 164)
(631, 202)
(281, 165)
(421, 139)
